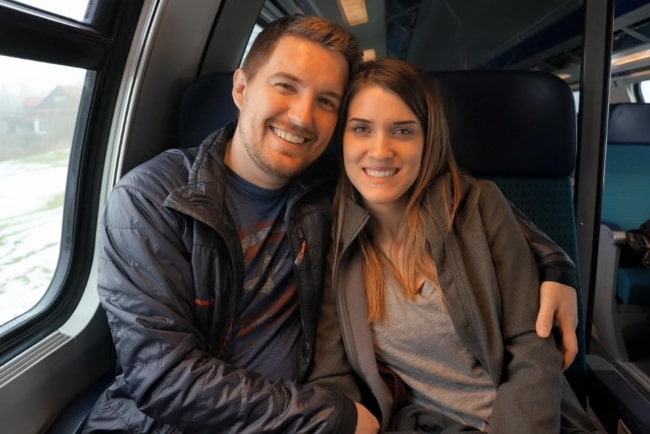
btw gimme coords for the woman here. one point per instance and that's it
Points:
(440, 265)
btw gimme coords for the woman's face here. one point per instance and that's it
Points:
(383, 143)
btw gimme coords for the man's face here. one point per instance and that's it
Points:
(288, 111)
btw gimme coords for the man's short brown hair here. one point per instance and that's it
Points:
(316, 29)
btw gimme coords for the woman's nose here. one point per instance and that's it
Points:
(381, 147)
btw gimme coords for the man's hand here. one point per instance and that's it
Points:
(366, 421)
(561, 301)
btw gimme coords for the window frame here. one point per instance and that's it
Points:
(101, 47)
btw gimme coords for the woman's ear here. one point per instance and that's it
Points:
(238, 87)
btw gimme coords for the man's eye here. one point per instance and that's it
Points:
(328, 103)
(283, 86)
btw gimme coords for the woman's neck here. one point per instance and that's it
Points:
(388, 229)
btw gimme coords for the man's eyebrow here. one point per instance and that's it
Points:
(333, 94)
(285, 75)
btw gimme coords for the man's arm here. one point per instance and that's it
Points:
(558, 296)
(561, 300)
(528, 394)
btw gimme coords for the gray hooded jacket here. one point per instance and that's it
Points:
(490, 282)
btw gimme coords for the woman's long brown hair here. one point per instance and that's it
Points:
(415, 88)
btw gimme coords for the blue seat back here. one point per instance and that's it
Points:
(515, 127)
(206, 105)
(626, 189)
(518, 128)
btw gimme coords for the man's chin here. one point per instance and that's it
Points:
(290, 167)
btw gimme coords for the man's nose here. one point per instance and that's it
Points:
(301, 111)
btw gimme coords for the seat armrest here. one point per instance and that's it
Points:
(604, 305)
(613, 233)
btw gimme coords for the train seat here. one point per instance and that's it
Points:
(206, 105)
(622, 297)
(518, 128)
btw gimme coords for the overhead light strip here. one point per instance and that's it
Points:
(354, 11)
(369, 54)
(629, 58)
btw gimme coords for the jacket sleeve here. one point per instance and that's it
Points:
(331, 366)
(554, 263)
(146, 286)
(529, 392)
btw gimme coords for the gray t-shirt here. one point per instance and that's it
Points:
(418, 341)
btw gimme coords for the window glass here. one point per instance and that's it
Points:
(576, 99)
(38, 109)
(75, 9)
(645, 90)
(256, 30)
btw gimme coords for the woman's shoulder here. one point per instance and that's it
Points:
(485, 189)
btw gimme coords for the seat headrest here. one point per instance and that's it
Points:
(510, 123)
(629, 123)
(206, 105)
(503, 123)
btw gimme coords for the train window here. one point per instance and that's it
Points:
(39, 107)
(644, 87)
(60, 74)
(256, 30)
(576, 99)
(75, 9)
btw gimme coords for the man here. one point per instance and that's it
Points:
(212, 259)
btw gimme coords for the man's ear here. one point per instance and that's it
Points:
(238, 87)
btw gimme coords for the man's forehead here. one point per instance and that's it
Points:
(302, 60)
(289, 49)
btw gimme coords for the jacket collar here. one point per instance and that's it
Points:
(203, 197)
(356, 217)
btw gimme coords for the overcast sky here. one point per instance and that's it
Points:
(74, 9)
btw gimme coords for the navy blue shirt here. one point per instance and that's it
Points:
(267, 324)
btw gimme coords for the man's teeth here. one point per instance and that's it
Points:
(380, 173)
(288, 136)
